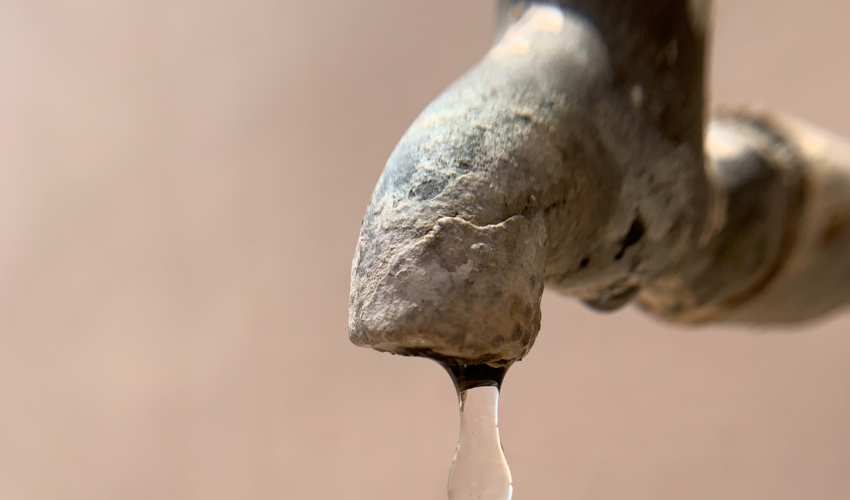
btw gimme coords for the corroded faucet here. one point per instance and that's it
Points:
(576, 155)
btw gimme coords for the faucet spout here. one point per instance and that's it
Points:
(544, 163)
(572, 155)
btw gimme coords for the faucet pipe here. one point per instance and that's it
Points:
(572, 155)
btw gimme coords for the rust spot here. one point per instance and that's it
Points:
(835, 227)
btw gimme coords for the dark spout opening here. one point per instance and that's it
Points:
(466, 376)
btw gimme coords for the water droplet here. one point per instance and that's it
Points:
(479, 470)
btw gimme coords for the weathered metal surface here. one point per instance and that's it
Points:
(572, 154)
(784, 252)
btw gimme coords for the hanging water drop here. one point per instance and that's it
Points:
(479, 470)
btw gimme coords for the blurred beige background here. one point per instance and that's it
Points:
(181, 188)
